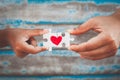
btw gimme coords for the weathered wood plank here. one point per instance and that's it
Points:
(67, 77)
(36, 65)
(54, 13)
(56, 16)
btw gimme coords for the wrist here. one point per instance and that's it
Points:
(3, 38)
(116, 17)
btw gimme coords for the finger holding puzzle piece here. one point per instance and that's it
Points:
(56, 40)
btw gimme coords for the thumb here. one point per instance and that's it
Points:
(82, 28)
(36, 32)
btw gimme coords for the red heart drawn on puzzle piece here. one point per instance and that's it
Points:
(56, 40)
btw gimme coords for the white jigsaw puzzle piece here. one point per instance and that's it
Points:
(65, 42)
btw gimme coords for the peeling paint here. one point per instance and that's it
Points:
(58, 15)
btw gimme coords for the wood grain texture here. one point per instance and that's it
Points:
(59, 17)
(56, 65)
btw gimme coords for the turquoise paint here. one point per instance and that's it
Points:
(72, 11)
(102, 68)
(92, 69)
(18, 1)
(5, 63)
(51, 22)
(23, 71)
(8, 2)
(44, 53)
(15, 23)
(57, 1)
(116, 67)
(66, 1)
(107, 1)
(6, 52)
(64, 77)
(40, 44)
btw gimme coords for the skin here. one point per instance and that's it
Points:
(21, 40)
(105, 44)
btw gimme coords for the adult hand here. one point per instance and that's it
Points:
(105, 44)
(23, 42)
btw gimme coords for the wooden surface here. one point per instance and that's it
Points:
(59, 16)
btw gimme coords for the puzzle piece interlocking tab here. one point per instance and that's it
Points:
(56, 40)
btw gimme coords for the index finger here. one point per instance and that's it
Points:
(36, 32)
(101, 40)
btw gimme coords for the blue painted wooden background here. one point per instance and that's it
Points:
(58, 15)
